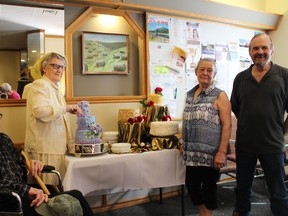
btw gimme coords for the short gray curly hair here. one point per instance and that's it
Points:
(5, 87)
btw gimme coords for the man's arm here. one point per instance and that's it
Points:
(286, 125)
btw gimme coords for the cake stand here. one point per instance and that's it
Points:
(87, 149)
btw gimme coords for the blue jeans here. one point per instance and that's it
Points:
(273, 168)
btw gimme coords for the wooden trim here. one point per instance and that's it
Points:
(73, 100)
(144, 65)
(108, 11)
(134, 25)
(12, 102)
(68, 49)
(106, 99)
(54, 36)
(69, 53)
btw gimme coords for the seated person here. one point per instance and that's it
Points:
(25, 91)
(6, 88)
(2, 94)
(12, 177)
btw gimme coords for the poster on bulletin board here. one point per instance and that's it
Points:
(176, 45)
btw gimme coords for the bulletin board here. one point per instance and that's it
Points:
(175, 45)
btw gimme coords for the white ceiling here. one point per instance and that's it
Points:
(15, 21)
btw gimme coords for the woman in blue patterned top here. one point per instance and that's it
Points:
(206, 133)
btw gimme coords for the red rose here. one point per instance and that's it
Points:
(139, 119)
(164, 118)
(158, 90)
(131, 120)
(150, 103)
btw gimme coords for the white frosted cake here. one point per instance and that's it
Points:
(164, 128)
(156, 98)
(87, 132)
(110, 136)
(121, 147)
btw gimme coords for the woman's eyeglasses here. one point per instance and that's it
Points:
(57, 66)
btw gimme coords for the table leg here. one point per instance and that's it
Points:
(182, 199)
(160, 195)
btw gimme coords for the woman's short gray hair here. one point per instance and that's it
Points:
(213, 61)
(46, 59)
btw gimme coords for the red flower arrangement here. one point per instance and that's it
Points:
(147, 104)
(166, 118)
(158, 90)
(137, 119)
(150, 103)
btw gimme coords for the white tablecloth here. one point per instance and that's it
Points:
(152, 169)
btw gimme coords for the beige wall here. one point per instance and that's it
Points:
(280, 42)
(272, 6)
(10, 67)
(54, 44)
(13, 123)
(277, 6)
(254, 4)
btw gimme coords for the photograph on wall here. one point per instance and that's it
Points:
(158, 30)
(233, 50)
(221, 52)
(208, 50)
(105, 53)
(244, 51)
(178, 58)
(194, 54)
(192, 30)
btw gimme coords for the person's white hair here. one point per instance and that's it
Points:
(6, 87)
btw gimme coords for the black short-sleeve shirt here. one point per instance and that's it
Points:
(260, 108)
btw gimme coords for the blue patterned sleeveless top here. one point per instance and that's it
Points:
(201, 127)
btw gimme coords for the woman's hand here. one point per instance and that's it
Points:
(74, 109)
(220, 160)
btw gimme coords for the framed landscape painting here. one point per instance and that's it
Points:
(105, 53)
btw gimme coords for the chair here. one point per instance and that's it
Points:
(5, 192)
(230, 168)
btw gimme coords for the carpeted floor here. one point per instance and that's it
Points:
(172, 206)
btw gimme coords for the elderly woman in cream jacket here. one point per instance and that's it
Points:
(47, 129)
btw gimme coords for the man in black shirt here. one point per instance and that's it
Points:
(259, 101)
